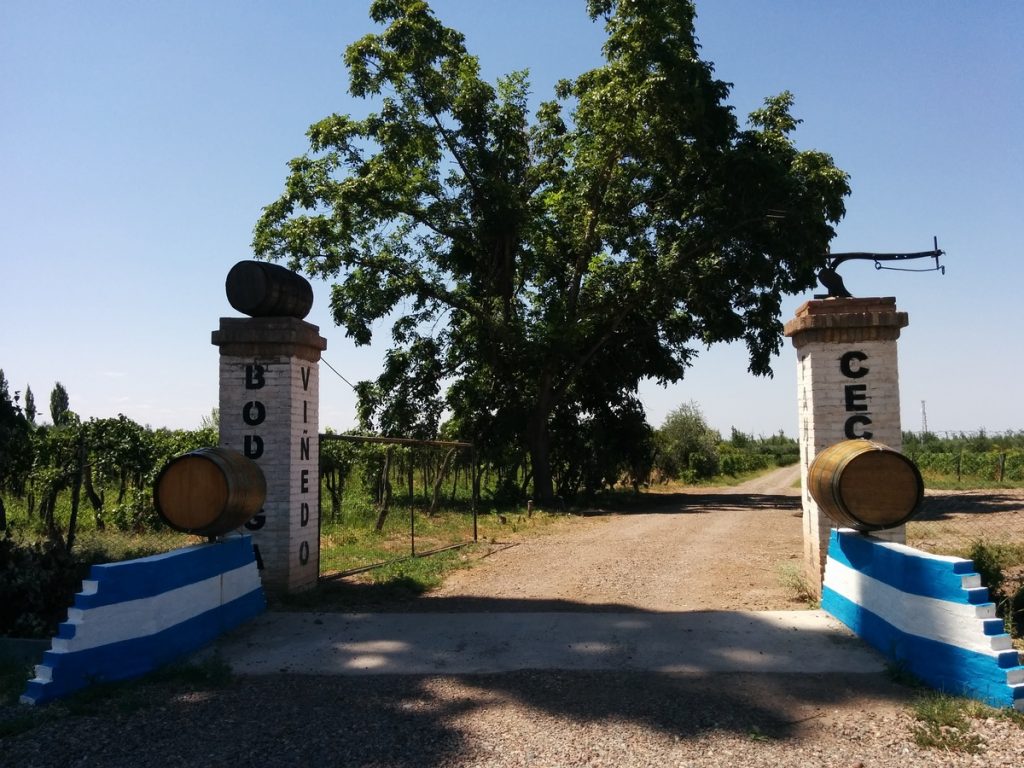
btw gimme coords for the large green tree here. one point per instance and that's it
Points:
(539, 266)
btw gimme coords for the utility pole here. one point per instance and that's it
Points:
(924, 418)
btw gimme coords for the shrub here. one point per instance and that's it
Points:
(37, 583)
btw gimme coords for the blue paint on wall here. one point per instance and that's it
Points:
(136, 585)
(908, 570)
(942, 665)
(147, 576)
(135, 657)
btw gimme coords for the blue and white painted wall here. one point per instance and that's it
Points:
(927, 613)
(134, 616)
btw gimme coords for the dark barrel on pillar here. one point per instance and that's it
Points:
(259, 289)
(865, 485)
(209, 491)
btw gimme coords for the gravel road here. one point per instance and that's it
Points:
(718, 549)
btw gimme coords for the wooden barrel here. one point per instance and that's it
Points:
(209, 491)
(258, 289)
(865, 485)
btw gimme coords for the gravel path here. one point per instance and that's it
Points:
(716, 549)
(668, 559)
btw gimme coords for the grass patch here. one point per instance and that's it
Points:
(944, 722)
(793, 578)
(942, 482)
(354, 543)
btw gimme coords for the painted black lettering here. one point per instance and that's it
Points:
(304, 372)
(304, 481)
(305, 407)
(253, 446)
(258, 521)
(304, 514)
(853, 422)
(304, 552)
(253, 413)
(254, 376)
(847, 368)
(304, 448)
(856, 394)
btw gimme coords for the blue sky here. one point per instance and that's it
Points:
(138, 142)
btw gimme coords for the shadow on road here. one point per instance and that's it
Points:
(944, 506)
(413, 721)
(695, 502)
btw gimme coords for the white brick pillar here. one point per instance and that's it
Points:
(847, 387)
(269, 411)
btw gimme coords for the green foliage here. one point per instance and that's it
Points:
(13, 675)
(60, 406)
(688, 449)
(115, 459)
(993, 562)
(542, 265)
(989, 561)
(977, 459)
(687, 446)
(37, 582)
(15, 447)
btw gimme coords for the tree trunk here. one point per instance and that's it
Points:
(438, 479)
(331, 481)
(76, 495)
(455, 485)
(95, 499)
(46, 510)
(385, 503)
(3, 515)
(475, 483)
(527, 477)
(539, 438)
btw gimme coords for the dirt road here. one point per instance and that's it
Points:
(722, 548)
(669, 558)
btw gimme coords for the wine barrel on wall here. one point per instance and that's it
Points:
(209, 492)
(865, 485)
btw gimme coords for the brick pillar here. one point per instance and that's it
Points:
(847, 387)
(269, 411)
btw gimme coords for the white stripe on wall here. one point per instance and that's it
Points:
(147, 616)
(946, 622)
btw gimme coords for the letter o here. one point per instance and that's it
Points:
(254, 413)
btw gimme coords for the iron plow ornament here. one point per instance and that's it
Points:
(833, 282)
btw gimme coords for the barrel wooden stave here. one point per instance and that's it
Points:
(209, 491)
(865, 485)
(259, 289)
